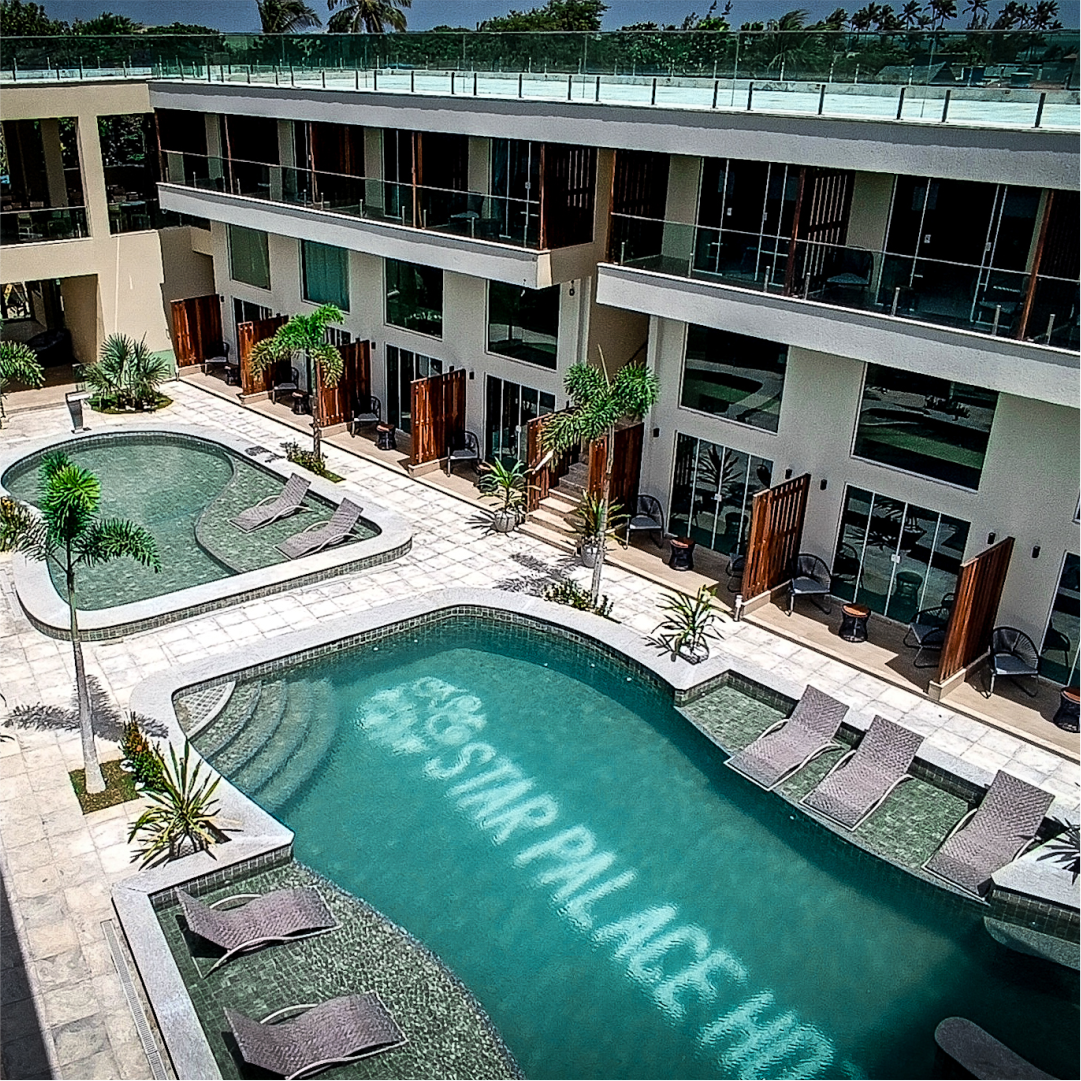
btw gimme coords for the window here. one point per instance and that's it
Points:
(403, 366)
(712, 490)
(896, 557)
(734, 376)
(415, 297)
(326, 274)
(131, 171)
(1059, 653)
(925, 425)
(523, 323)
(246, 312)
(510, 408)
(15, 301)
(249, 256)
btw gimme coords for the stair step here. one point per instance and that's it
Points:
(556, 538)
(553, 519)
(560, 501)
(217, 736)
(258, 732)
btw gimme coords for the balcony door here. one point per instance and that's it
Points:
(509, 407)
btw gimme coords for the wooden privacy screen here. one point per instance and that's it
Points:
(541, 481)
(568, 181)
(247, 334)
(337, 405)
(774, 539)
(823, 202)
(196, 329)
(626, 467)
(438, 417)
(979, 589)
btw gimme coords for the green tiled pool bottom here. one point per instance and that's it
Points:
(906, 829)
(449, 1034)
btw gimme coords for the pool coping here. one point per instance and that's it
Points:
(48, 612)
(263, 841)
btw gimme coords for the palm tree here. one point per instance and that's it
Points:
(306, 334)
(977, 10)
(18, 364)
(126, 374)
(599, 403)
(941, 10)
(286, 16)
(68, 534)
(910, 14)
(371, 16)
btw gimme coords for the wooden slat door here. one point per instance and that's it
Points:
(568, 184)
(626, 467)
(776, 531)
(975, 607)
(247, 334)
(422, 422)
(453, 390)
(819, 225)
(541, 480)
(196, 328)
(438, 417)
(336, 405)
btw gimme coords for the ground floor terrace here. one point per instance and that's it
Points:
(74, 1018)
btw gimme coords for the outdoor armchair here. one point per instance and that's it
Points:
(810, 578)
(1013, 655)
(366, 411)
(648, 517)
(926, 634)
(470, 452)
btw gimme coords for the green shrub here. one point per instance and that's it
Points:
(308, 459)
(572, 594)
(146, 760)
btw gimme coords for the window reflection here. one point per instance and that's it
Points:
(523, 323)
(734, 376)
(510, 408)
(712, 490)
(414, 297)
(403, 367)
(1060, 641)
(924, 425)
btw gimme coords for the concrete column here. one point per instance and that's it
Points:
(214, 148)
(54, 162)
(480, 165)
(872, 194)
(373, 167)
(286, 155)
(95, 196)
(684, 175)
(602, 201)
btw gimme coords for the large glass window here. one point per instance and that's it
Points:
(925, 425)
(403, 366)
(896, 557)
(249, 256)
(326, 274)
(734, 376)
(510, 408)
(523, 323)
(244, 311)
(712, 489)
(1059, 653)
(415, 297)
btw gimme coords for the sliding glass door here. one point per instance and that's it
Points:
(1059, 653)
(403, 366)
(510, 407)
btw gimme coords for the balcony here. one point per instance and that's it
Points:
(42, 225)
(490, 236)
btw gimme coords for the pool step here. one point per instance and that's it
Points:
(283, 742)
(260, 730)
(212, 740)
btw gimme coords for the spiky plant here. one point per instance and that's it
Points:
(68, 533)
(504, 483)
(183, 815)
(306, 335)
(18, 364)
(126, 374)
(599, 402)
(1065, 849)
(690, 621)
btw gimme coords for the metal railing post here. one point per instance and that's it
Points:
(356, 79)
(994, 322)
(750, 95)
(412, 82)
(249, 75)
(292, 76)
(1050, 326)
(323, 72)
(716, 87)
(821, 99)
(896, 299)
(1039, 109)
(900, 102)
(653, 96)
(474, 84)
(375, 78)
(597, 92)
(519, 84)
(452, 81)
(570, 85)
(946, 105)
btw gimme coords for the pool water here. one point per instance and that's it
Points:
(184, 491)
(621, 904)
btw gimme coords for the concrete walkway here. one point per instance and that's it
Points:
(58, 866)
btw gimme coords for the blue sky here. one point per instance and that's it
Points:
(240, 15)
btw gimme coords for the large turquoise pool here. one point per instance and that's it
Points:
(620, 903)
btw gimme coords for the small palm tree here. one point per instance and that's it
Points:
(371, 16)
(306, 334)
(600, 403)
(286, 16)
(68, 534)
(18, 364)
(126, 374)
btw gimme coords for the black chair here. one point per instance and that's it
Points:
(810, 578)
(736, 564)
(927, 632)
(1054, 641)
(288, 386)
(219, 356)
(468, 453)
(373, 414)
(1013, 655)
(649, 518)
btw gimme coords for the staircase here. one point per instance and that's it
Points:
(272, 738)
(552, 520)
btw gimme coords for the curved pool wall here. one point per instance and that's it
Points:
(47, 610)
(260, 840)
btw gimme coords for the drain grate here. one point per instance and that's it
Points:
(142, 1023)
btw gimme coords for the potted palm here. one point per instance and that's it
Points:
(507, 485)
(689, 625)
(18, 364)
(587, 525)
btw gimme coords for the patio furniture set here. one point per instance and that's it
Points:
(988, 837)
(290, 501)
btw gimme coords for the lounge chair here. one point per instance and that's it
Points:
(788, 746)
(288, 501)
(860, 782)
(319, 536)
(340, 1030)
(281, 916)
(992, 834)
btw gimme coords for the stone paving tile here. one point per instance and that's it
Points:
(61, 864)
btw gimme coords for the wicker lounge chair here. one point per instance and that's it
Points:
(319, 536)
(992, 834)
(288, 501)
(788, 746)
(281, 916)
(337, 1031)
(860, 782)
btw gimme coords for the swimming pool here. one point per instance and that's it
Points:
(540, 815)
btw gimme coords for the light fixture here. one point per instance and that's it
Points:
(788, 474)
(1035, 551)
(470, 373)
(656, 433)
(572, 289)
(822, 484)
(991, 538)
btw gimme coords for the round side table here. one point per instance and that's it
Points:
(682, 557)
(1067, 713)
(854, 622)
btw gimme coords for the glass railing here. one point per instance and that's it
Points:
(998, 78)
(982, 299)
(41, 225)
(495, 218)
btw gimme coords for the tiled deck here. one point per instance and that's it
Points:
(59, 866)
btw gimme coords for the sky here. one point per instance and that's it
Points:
(240, 15)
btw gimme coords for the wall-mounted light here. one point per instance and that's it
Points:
(990, 538)
(470, 373)
(822, 484)
(788, 474)
(571, 293)
(656, 433)
(372, 344)
(1035, 551)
